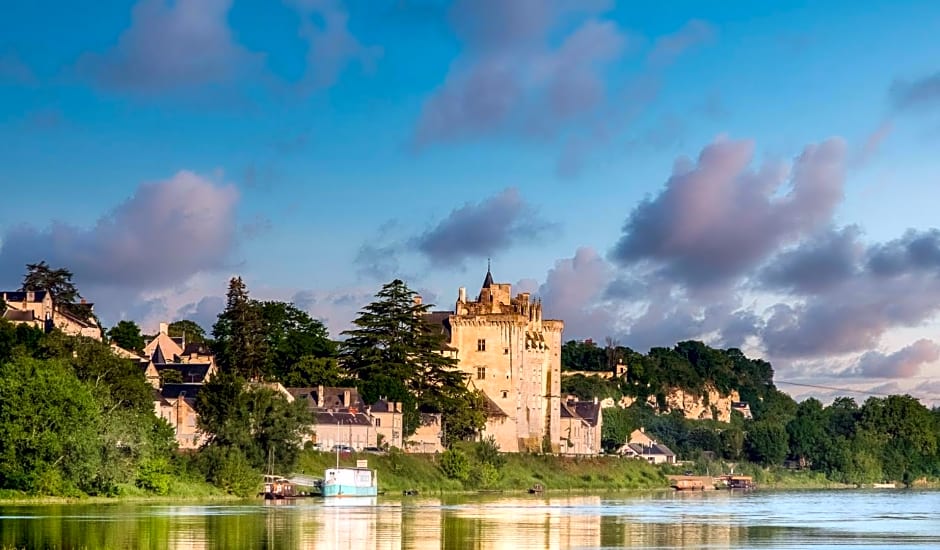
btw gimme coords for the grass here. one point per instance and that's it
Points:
(399, 472)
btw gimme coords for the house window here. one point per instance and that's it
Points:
(378, 422)
(505, 394)
(481, 373)
(481, 345)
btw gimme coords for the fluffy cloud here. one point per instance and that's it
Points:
(816, 265)
(572, 291)
(162, 235)
(171, 46)
(510, 78)
(914, 94)
(717, 219)
(904, 363)
(478, 230)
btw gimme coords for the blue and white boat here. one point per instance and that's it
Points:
(350, 482)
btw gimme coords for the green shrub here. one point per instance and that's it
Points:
(155, 476)
(455, 464)
(487, 452)
(484, 475)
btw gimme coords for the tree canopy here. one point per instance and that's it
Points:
(126, 334)
(394, 352)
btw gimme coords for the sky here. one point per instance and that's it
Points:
(760, 175)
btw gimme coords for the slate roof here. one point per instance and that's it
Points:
(172, 391)
(440, 320)
(19, 316)
(492, 409)
(342, 418)
(18, 296)
(197, 349)
(587, 411)
(332, 397)
(381, 406)
(654, 449)
(189, 372)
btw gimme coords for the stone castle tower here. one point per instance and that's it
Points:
(513, 355)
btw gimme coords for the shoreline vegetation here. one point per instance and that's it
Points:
(78, 420)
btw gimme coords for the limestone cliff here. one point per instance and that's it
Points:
(708, 404)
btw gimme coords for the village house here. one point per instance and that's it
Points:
(581, 424)
(643, 447)
(513, 355)
(36, 309)
(387, 420)
(191, 363)
(176, 403)
(428, 437)
(340, 417)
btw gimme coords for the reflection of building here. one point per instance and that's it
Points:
(581, 423)
(513, 355)
(36, 309)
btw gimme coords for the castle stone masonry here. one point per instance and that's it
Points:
(513, 355)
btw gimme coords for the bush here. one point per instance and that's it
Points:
(229, 470)
(487, 452)
(155, 476)
(455, 465)
(484, 475)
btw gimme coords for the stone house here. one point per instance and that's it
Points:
(427, 438)
(193, 363)
(643, 447)
(387, 419)
(35, 308)
(340, 417)
(581, 424)
(513, 355)
(176, 403)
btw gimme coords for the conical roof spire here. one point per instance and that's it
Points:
(488, 281)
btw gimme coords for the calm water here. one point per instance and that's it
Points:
(759, 519)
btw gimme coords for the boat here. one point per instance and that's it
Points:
(350, 482)
(277, 488)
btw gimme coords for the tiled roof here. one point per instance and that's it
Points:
(492, 409)
(19, 316)
(332, 398)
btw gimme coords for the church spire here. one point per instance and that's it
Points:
(488, 281)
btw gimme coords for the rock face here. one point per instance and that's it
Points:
(709, 405)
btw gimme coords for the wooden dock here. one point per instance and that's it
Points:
(692, 483)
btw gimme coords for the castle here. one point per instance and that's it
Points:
(513, 356)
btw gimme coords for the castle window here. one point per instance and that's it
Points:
(505, 351)
(481, 373)
(505, 394)
(481, 345)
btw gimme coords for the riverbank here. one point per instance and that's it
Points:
(399, 472)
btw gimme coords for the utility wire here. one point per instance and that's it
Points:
(831, 388)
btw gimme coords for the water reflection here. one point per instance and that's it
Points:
(667, 520)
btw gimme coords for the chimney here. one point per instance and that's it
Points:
(320, 398)
(164, 329)
(418, 300)
(346, 398)
(30, 296)
(462, 295)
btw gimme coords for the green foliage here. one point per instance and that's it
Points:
(190, 331)
(58, 283)
(589, 387)
(394, 352)
(240, 343)
(126, 334)
(257, 422)
(487, 452)
(229, 469)
(49, 429)
(155, 476)
(766, 442)
(483, 475)
(617, 426)
(455, 464)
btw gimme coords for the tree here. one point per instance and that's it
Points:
(126, 334)
(58, 283)
(807, 432)
(49, 429)
(239, 338)
(394, 352)
(291, 335)
(766, 442)
(189, 330)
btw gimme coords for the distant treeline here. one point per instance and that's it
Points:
(886, 438)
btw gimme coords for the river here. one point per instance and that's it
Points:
(715, 519)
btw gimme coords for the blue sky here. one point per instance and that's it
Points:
(755, 174)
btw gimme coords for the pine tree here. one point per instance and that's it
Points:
(239, 334)
(394, 352)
